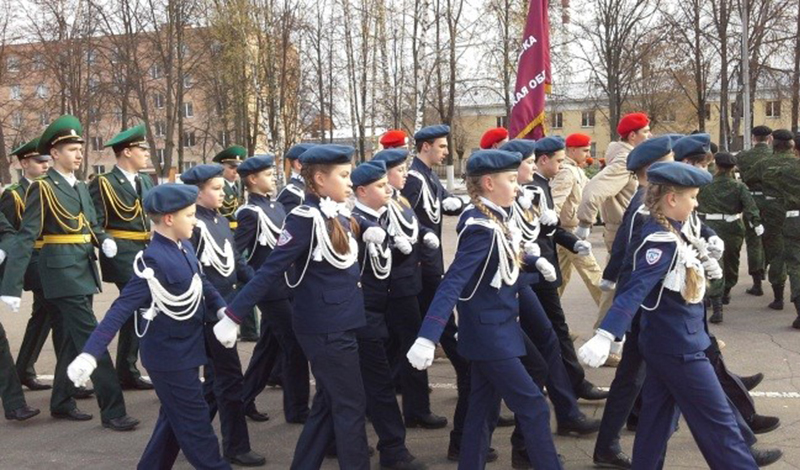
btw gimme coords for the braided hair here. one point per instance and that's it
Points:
(475, 191)
(339, 239)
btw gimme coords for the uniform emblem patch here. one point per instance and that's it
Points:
(652, 256)
(285, 238)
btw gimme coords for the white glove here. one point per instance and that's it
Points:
(525, 198)
(712, 268)
(595, 352)
(221, 313)
(548, 217)
(715, 247)
(80, 369)
(431, 240)
(759, 229)
(421, 353)
(547, 269)
(403, 244)
(12, 302)
(226, 331)
(374, 235)
(583, 232)
(607, 286)
(2, 256)
(532, 248)
(452, 203)
(582, 248)
(109, 247)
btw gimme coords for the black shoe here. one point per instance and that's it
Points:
(756, 290)
(408, 463)
(580, 426)
(35, 385)
(123, 423)
(275, 382)
(257, 416)
(138, 384)
(796, 323)
(83, 393)
(726, 298)
(72, 415)
(777, 304)
(22, 413)
(612, 460)
(632, 423)
(298, 420)
(429, 421)
(716, 304)
(519, 459)
(764, 457)
(760, 424)
(453, 452)
(505, 421)
(248, 459)
(588, 391)
(751, 381)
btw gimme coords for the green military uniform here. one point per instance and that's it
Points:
(788, 179)
(118, 203)
(745, 161)
(64, 217)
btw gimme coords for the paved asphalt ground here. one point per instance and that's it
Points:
(758, 339)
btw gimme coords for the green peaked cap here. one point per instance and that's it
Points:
(232, 154)
(27, 150)
(133, 137)
(65, 129)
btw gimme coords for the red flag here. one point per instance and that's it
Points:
(533, 75)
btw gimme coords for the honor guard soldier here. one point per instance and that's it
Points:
(294, 193)
(494, 138)
(170, 298)
(118, 197)
(59, 209)
(12, 205)
(762, 137)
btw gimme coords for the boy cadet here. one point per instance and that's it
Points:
(762, 136)
(118, 197)
(59, 208)
(294, 193)
(12, 205)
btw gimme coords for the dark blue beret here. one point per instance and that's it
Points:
(432, 132)
(368, 173)
(725, 159)
(525, 147)
(762, 131)
(392, 157)
(695, 144)
(485, 162)
(674, 137)
(297, 150)
(782, 134)
(255, 164)
(550, 145)
(329, 154)
(648, 152)
(169, 197)
(677, 174)
(198, 174)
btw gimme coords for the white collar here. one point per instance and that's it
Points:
(130, 176)
(297, 176)
(27, 179)
(232, 185)
(494, 206)
(71, 179)
(369, 210)
(543, 176)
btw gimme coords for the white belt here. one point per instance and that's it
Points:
(770, 198)
(792, 214)
(756, 193)
(725, 217)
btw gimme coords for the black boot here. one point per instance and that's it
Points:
(726, 297)
(796, 322)
(756, 289)
(777, 290)
(716, 304)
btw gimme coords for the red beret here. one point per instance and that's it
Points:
(578, 140)
(393, 138)
(493, 136)
(631, 123)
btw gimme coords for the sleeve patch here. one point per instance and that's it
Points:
(285, 238)
(653, 255)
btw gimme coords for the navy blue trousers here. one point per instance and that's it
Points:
(183, 424)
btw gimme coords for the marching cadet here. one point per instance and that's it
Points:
(319, 237)
(394, 139)
(59, 209)
(762, 137)
(12, 205)
(260, 224)
(170, 298)
(117, 197)
(373, 193)
(403, 317)
(720, 205)
(294, 193)
(483, 282)
(668, 282)
(224, 267)
(773, 214)
(494, 138)
(567, 189)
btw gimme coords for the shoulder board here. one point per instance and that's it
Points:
(13, 187)
(416, 174)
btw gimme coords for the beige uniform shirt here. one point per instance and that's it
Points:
(567, 190)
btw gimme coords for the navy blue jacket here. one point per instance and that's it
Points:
(168, 345)
(406, 277)
(620, 259)
(289, 197)
(376, 291)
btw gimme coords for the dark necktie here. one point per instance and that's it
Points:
(137, 184)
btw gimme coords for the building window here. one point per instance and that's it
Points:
(94, 84)
(161, 129)
(773, 109)
(188, 110)
(41, 91)
(97, 143)
(44, 118)
(187, 81)
(158, 101)
(187, 165)
(593, 149)
(587, 119)
(737, 111)
(224, 138)
(184, 50)
(94, 115)
(216, 47)
(502, 121)
(91, 56)
(160, 154)
(118, 114)
(188, 139)
(16, 119)
(155, 71)
(557, 120)
(12, 64)
(38, 62)
(98, 169)
(707, 111)
(16, 92)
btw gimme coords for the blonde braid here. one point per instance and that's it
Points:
(474, 191)
(336, 231)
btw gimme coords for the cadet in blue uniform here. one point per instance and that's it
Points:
(403, 317)
(294, 193)
(668, 282)
(319, 237)
(224, 267)
(173, 296)
(260, 224)
(483, 282)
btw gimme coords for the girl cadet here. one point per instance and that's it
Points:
(224, 267)
(668, 282)
(174, 296)
(483, 282)
(319, 237)
(260, 224)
